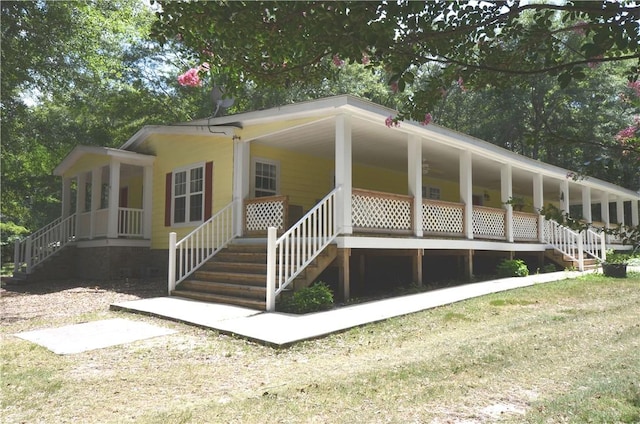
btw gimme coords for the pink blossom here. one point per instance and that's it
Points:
(337, 61)
(190, 78)
(427, 119)
(394, 86)
(391, 122)
(365, 59)
(635, 86)
(461, 84)
(626, 134)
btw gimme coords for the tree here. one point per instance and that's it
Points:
(73, 73)
(476, 44)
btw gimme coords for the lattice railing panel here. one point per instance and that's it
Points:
(488, 222)
(525, 226)
(442, 217)
(265, 212)
(374, 210)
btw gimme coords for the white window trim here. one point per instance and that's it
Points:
(187, 168)
(273, 162)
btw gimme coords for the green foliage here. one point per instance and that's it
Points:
(512, 268)
(613, 257)
(9, 233)
(317, 297)
(486, 43)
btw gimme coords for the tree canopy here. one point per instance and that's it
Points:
(475, 43)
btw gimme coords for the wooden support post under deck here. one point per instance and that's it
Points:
(343, 272)
(468, 264)
(417, 267)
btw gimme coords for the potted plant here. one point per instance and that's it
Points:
(615, 264)
(516, 202)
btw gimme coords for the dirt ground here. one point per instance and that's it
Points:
(22, 301)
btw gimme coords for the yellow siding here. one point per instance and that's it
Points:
(379, 179)
(86, 164)
(304, 178)
(175, 151)
(135, 191)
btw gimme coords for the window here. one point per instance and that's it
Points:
(431, 193)
(188, 195)
(265, 178)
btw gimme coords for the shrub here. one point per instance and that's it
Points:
(512, 268)
(317, 297)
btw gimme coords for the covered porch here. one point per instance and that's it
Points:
(106, 202)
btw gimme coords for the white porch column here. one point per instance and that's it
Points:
(604, 211)
(586, 204)
(466, 192)
(538, 202)
(241, 181)
(635, 219)
(506, 192)
(343, 161)
(66, 197)
(147, 201)
(114, 197)
(81, 190)
(414, 166)
(620, 210)
(96, 189)
(564, 196)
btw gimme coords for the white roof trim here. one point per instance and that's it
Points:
(201, 127)
(123, 156)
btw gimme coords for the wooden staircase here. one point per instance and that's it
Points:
(566, 262)
(237, 275)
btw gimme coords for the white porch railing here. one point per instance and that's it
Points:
(373, 210)
(488, 222)
(525, 226)
(594, 243)
(130, 222)
(442, 218)
(299, 245)
(186, 255)
(43, 243)
(264, 212)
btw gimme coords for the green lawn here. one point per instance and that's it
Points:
(558, 352)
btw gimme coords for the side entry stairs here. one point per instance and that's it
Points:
(237, 275)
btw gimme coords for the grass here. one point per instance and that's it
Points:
(558, 352)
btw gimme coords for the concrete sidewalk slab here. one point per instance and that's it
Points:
(79, 338)
(280, 329)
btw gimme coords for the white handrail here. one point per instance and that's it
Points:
(299, 246)
(594, 243)
(43, 243)
(200, 245)
(565, 240)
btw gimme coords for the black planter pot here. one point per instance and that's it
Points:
(615, 270)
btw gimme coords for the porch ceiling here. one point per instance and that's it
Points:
(378, 146)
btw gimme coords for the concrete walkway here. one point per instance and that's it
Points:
(280, 329)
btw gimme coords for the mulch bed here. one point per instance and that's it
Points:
(21, 300)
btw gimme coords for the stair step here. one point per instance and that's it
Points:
(214, 287)
(230, 277)
(247, 248)
(244, 267)
(218, 298)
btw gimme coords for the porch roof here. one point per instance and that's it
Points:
(123, 156)
(378, 146)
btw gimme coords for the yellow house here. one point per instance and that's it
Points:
(257, 202)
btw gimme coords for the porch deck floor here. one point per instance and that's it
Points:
(281, 329)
